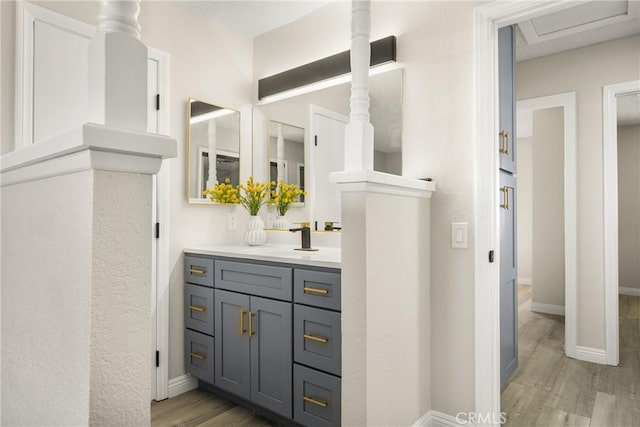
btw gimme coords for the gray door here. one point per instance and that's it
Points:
(271, 355)
(508, 278)
(506, 73)
(232, 342)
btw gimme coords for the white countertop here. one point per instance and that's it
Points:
(323, 257)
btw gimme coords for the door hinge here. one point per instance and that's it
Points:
(157, 230)
(157, 359)
(491, 256)
(158, 102)
(315, 140)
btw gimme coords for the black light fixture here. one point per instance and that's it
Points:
(382, 52)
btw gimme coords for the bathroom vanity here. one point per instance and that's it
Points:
(263, 328)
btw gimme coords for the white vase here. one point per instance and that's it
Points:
(255, 235)
(281, 222)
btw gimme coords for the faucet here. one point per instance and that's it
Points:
(329, 226)
(305, 230)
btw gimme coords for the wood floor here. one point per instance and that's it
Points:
(203, 409)
(549, 389)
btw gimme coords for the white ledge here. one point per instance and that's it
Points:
(91, 146)
(379, 182)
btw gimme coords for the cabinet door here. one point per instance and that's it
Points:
(271, 355)
(232, 342)
(508, 278)
(506, 76)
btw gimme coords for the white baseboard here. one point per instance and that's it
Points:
(634, 292)
(437, 419)
(547, 308)
(594, 355)
(525, 281)
(181, 384)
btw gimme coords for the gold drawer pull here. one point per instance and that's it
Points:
(251, 324)
(197, 308)
(315, 290)
(197, 271)
(198, 355)
(505, 193)
(314, 401)
(242, 313)
(314, 338)
(504, 145)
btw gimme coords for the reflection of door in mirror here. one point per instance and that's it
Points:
(327, 154)
(286, 147)
(212, 129)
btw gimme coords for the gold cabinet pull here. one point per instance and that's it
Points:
(242, 313)
(315, 290)
(314, 338)
(505, 193)
(314, 401)
(197, 271)
(251, 324)
(198, 355)
(504, 143)
(197, 308)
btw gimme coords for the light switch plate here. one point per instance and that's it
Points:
(459, 235)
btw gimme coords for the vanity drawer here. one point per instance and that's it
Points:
(255, 279)
(317, 288)
(316, 397)
(198, 270)
(198, 308)
(317, 340)
(198, 354)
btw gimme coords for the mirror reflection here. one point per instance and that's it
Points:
(323, 114)
(213, 133)
(286, 154)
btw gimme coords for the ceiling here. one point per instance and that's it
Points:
(582, 25)
(253, 17)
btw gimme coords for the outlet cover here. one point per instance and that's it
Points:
(232, 221)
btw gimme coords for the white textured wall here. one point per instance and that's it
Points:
(120, 299)
(385, 310)
(525, 207)
(435, 44)
(46, 297)
(208, 61)
(629, 206)
(548, 207)
(585, 71)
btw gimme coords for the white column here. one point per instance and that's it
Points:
(359, 131)
(118, 68)
(213, 139)
(280, 151)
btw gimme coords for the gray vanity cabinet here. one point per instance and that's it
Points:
(267, 333)
(254, 349)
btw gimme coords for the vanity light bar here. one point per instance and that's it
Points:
(382, 52)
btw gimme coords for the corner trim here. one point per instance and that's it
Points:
(182, 384)
(437, 419)
(547, 308)
(593, 355)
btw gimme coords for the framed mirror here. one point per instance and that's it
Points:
(286, 154)
(213, 141)
(322, 114)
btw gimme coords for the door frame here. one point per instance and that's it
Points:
(610, 174)
(567, 101)
(487, 19)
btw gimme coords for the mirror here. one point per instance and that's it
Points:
(213, 133)
(286, 154)
(322, 115)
